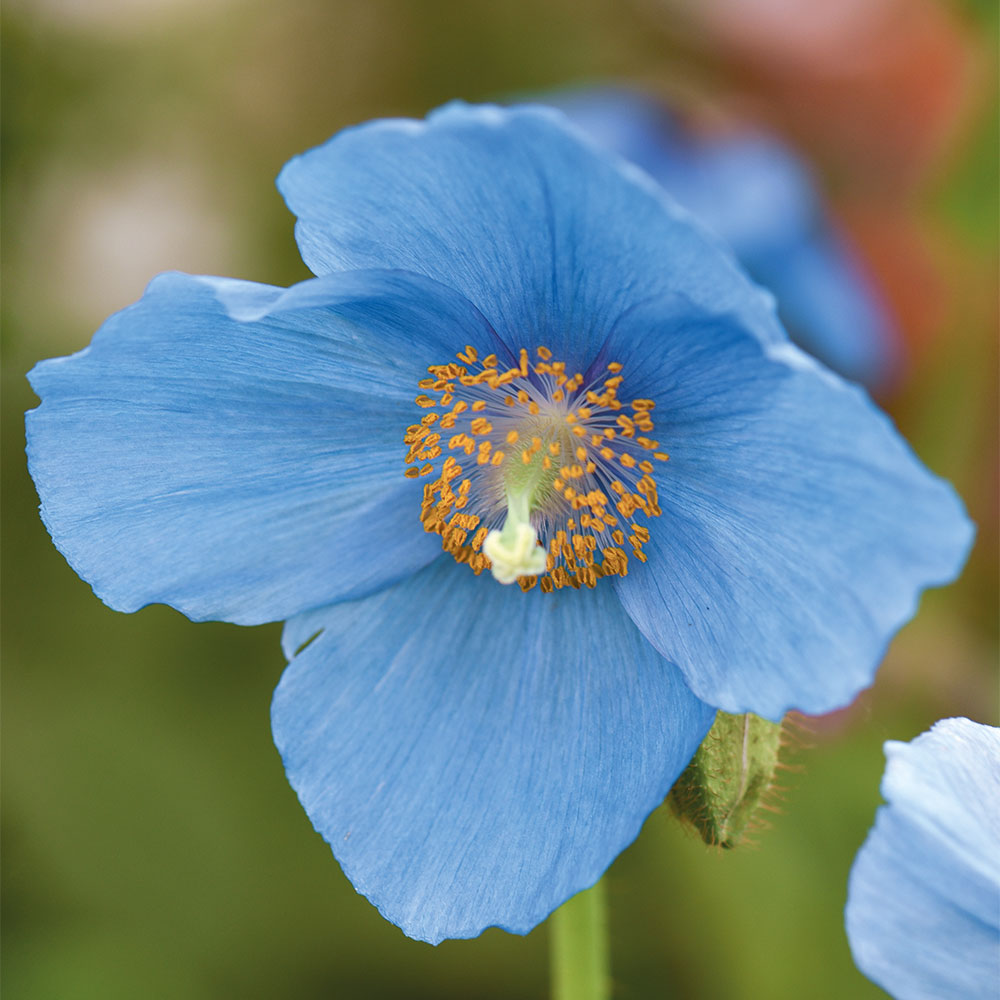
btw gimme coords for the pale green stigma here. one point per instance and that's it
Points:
(514, 551)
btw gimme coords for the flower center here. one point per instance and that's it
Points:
(546, 476)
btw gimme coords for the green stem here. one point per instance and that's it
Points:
(578, 948)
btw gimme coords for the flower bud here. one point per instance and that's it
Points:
(728, 778)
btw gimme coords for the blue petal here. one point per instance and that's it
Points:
(753, 191)
(236, 450)
(923, 906)
(832, 309)
(551, 238)
(745, 186)
(798, 528)
(475, 755)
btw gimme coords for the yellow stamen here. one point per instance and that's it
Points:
(555, 417)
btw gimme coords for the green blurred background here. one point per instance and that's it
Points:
(151, 845)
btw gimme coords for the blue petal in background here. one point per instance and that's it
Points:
(751, 189)
(923, 906)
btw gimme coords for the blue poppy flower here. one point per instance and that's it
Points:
(514, 337)
(923, 903)
(753, 191)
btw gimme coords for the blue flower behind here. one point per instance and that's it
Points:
(751, 190)
(923, 904)
(504, 318)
